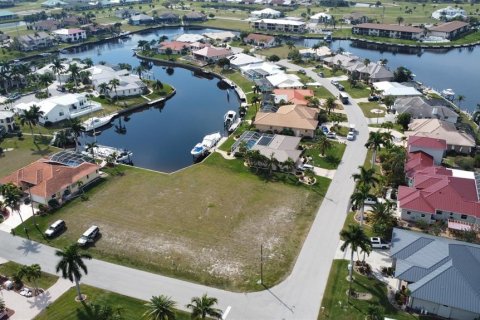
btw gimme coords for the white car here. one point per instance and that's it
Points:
(379, 243)
(351, 136)
(331, 135)
(370, 201)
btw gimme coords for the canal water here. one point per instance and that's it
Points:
(162, 136)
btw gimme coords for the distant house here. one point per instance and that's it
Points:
(395, 89)
(434, 147)
(55, 109)
(35, 41)
(53, 4)
(47, 25)
(194, 17)
(321, 17)
(74, 21)
(70, 35)
(260, 40)
(422, 108)
(440, 273)
(211, 54)
(7, 121)
(7, 15)
(140, 19)
(190, 37)
(260, 70)
(266, 13)
(292, 96)
(129, 85)
(223, 36)
(388, 31)
(126, 13)
(284, 80)
(449, 30)
(168, 18)
(317, 54)
(177, 47)
(458, 141)
(301, 120)
(241, 59)
(341, 60)
(449, 13)
(355, 18)
(373, 72)
(280, 25)
(46, 180)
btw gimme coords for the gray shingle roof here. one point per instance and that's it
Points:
(442, 270)
(420, 107)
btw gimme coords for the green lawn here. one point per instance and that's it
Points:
(360, 91)
(66, 308)
(281, 51)
(335, 304)
(367, 108)
(229, 24)
(340, 130)
(321, 92)
(46, 280)
(328, 73)
(236, 209)
(351, 220)
(332, 157)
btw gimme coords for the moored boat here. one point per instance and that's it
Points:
(208, 142)
(97, 122)
(104, 152)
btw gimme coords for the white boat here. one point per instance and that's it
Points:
(234, 125)
(448, 93)
(103, 152)
(97, 122)
(229, 117)
(208, 142)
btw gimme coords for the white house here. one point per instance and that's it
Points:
(6, 121)
(64, 75)
(319, 53)
(130, 85)
(285, 80)
(140, 19)
(321, 17)
(266, 13)
(241, 59)
(260, 70)
(70, 35)
(62, 107)
(395, 89)
(280, 25)
(190, 37)
(449, 13)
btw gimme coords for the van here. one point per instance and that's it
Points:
(55, 228)
(89, 236)
(351, 128)
(343, 97)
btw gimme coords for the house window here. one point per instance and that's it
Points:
(439, 212)
(423, 215)
(451, 214)
(463, 216)
(408, 212)
(60, 114)
(87, 176)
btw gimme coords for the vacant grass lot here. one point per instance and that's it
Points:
(10, 268)
(332, 157)
(335, 302)
(66, 308)
(359, 91)
(205, 223)
(367, 108)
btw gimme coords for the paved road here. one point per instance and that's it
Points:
(298, 297)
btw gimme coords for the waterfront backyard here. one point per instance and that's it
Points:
(205, 223)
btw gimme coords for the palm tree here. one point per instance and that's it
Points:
(157, 85)
(141, 44)
(365, 177)
(361, 193)
(88, 62)
(91, 147)
(74, 72)
(11, 198)
(375, 141)
(71, 264)
(288, 165)
(114, 83)
(387, 125)
(400, 20)
(104, 312)
(324, 144)
(77, 129)
(139, 70)
(160, 308)
(460, 99)
(31, 117)
(355, 237)
(330, 104)
(103, 88)
(57, 68)
(290, 45)
(203, 306)
(32, 273)
(366, 62)
(45, 80)
(382, 219)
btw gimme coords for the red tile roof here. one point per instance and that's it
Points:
(426, 142)
(259, 37)
(211, 52)
(295, 96)
(174, 45)
(417, 161)
(449, 26)
(47, 177)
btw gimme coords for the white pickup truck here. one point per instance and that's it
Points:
(378, 243)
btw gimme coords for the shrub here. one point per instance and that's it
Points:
(466, 163)
(53, 203)
(84, 197)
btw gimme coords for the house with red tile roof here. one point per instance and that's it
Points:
(292, 96)
(49, 180)
(432, 146)
(177, 47)
(416, 161)
(211, 54)
(300, 119)
(260, 40)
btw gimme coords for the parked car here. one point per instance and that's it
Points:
(305, 167)
(302, 71)
(370, 201)
(14, 96)
(321, 75)
(55, 228)
(373, 98)
(351, 136)
(89, 236)
(325, 129)
(379, 243)
(340, 87)
(334, 82)
(331, 135)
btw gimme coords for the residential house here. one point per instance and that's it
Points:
(317, 54)
(7, 121)
(35, 41)
(280, 25)
(395, 89)
(197, 45)
(129, 85)
(140, 19)
(190, 37)
(284, 80)
(388, 31)
(441, 274)
(457, 140)
(211, 54)
(58, 108)
(373, 72)
(434, 147)
(341, 60)
(301, 120)
(176, 47)
(292, 96)
(449, 13)
(223, 36)
(53, 4)
(126, 13)
(355, 18)
(260, 40)
(70, 35)
(45, 179)
(7, 15)
(241, 59)
(194, 17)
(321, 17)
(260, 70)
(78, 5)
(423, 108)
(415, 162)
(266, 13)
(47, 25)
(168, 18)
(62, 76)
(73, 21)
(449, 30)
